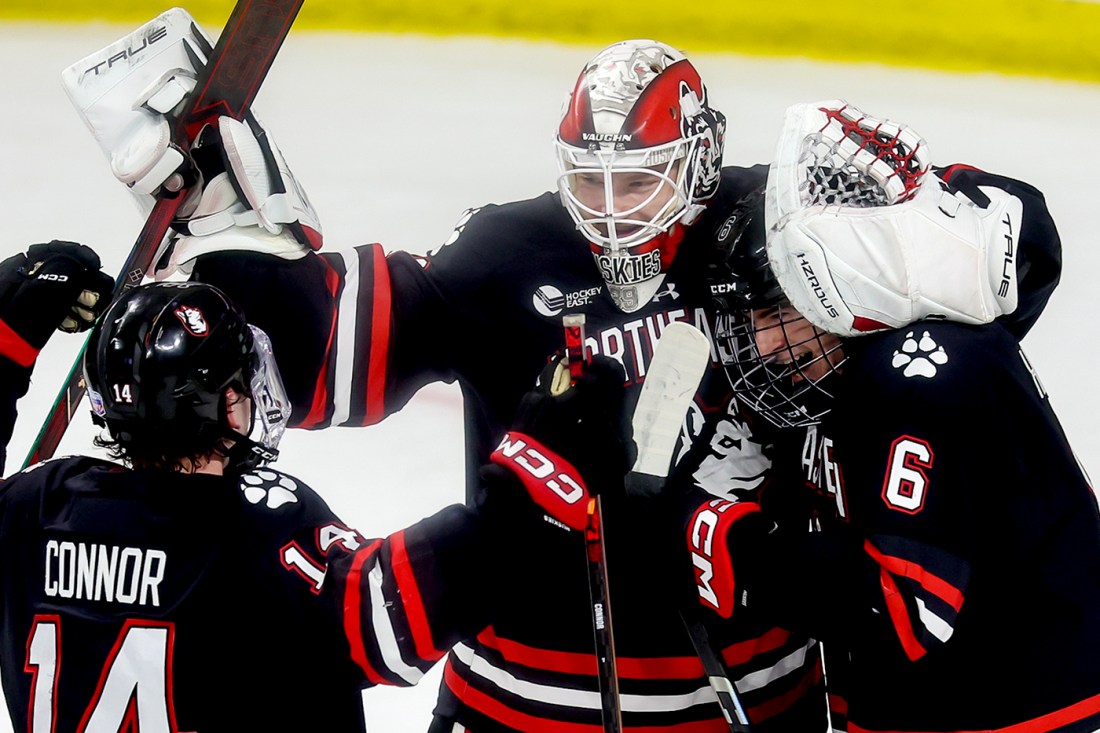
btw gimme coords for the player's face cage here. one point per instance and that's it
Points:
(779, 365)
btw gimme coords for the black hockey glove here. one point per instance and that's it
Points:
(568, 442)
(57, 285)
(584, 422)
(723, 540)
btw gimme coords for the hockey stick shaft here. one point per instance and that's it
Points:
(599, 592)
(227, 86)
(679, 362)
(723, 686)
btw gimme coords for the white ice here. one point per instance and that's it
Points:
(394, 136)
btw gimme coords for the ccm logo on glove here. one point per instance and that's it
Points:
(551, 481)
(708, 544)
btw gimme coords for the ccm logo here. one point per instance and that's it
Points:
(701, 545)
(707, 544)
(53, 277)
(536, 464)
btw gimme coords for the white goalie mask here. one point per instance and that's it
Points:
(639, 154)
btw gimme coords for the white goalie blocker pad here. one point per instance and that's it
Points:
(863, 237)
(124, 91)
(128, 93)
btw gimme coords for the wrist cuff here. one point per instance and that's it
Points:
(551, 481)
(15, 347)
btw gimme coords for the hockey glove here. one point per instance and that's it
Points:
(585, 421)
(568, 442)
(57, 285)
(862, 236)
(721, 536)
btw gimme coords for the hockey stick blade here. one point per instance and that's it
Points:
(227, 86)
(681, 358)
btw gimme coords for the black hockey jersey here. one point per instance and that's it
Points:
(956, 580)
(153, 601)
(357, 334)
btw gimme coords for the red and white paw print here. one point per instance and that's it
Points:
(919, 357)
(270, 488)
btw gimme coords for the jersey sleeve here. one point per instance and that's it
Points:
(335, 323)
(1038, 247)
(406, 599)
(14, 382)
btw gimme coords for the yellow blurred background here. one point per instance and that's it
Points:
(1047, 38)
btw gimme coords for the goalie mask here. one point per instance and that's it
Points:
(639, 155)
(158, 365)
(780, 365)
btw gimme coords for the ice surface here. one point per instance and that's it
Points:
(394, 137)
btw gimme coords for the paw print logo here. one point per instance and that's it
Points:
(919, 357)
(274, 489)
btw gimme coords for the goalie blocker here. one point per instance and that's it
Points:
(243, 197)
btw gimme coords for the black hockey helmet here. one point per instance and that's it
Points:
(157, 367)
(740, 277)
(779, 365)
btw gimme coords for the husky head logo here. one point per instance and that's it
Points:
(192, 319)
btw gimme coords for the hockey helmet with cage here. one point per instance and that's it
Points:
(780, 366)
(157, 367)
(639, 112)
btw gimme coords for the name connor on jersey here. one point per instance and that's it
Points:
(80, 571)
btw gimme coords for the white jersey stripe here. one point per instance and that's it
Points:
(383, 630)
(577, 698)
(346, 316)
(793, 662)
(936, 625)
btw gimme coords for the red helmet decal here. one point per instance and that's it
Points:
(655, 119)
(578, 116)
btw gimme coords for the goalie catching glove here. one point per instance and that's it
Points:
(57, 285)
(568, 442)
(863, 237)
(241, 193)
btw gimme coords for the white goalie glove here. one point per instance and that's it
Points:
(863, 237)
(242, 194)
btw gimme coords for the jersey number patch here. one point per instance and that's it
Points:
(906, 482)
(134, 690)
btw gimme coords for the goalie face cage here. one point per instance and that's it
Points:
(857, 161)
(779, 365)
(612, 215)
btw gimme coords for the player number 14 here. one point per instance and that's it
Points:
(134, 679)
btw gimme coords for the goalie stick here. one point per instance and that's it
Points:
(226, 86)
(679, 362)
(597, 561)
